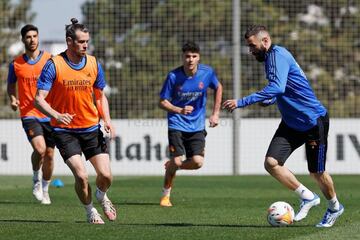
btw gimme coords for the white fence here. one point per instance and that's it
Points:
(140, 148)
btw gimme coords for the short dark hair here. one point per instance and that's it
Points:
(190, 46)
(253, 30)
(28, 27)
(73, 27)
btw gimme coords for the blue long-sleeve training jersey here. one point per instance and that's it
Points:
(295, 98)
(182, 90)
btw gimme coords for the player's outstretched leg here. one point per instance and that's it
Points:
(288, 179)
(305, 206)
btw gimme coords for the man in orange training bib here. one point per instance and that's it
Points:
(24, 72)
(72, 80)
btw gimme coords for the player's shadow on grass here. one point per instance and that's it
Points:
(18, 202)
(26, 221)
(214, 225)
(136, 203)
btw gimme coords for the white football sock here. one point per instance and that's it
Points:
(45, 185)
(304, 192)
(89, 208)
(36, 176)
(100, 195)
(166, 192)
(334, 204)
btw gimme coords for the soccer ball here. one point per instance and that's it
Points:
(280, 214)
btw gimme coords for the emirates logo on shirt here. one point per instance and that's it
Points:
(30, 81)
(76, 84)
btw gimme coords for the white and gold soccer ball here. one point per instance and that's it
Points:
(280, 214)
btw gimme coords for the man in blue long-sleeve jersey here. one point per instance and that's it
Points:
(304, 121)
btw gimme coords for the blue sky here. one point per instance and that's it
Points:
(52, 15)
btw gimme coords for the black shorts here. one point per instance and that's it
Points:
(89, 143)
(286, 140)
(34, 128)
(186, 143)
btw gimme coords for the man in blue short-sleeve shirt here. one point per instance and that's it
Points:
(304, 121)
(183, 96)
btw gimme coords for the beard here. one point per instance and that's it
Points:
(31, 48)
(260, 55)
(81, 53)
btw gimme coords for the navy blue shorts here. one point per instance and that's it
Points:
(186, 143)
(286, 140)
(89, 143)
(34, 128)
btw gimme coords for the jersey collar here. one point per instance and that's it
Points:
(269, 51)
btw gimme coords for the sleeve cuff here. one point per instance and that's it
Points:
(240, 103)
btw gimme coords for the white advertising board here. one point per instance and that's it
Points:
(140, 148)
(343, 155)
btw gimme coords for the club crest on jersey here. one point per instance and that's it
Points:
(312, 143)
(201, 85)
(171, 148)
(31, 133)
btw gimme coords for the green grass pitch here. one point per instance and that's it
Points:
(211, 207)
